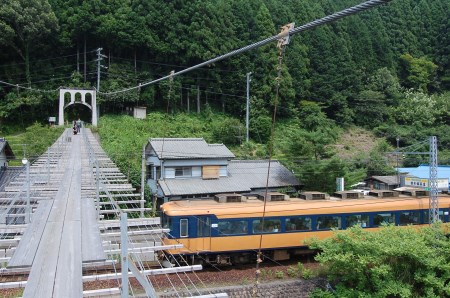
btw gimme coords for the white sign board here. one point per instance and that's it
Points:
(423, 182)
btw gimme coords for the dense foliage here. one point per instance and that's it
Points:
(333, 65)
(386, 70)
(391, 262)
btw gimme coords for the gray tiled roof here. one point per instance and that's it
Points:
(243, 176)
(181, 148)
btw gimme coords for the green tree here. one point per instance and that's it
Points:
(390, 262)
(417, 73)
(24, 25)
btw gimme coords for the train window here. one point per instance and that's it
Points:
(383, 218)
(409, 218)
(357, 219)
(270, 226)
(328, 222)
(426, 216)
(232, 227)
(203, 227)
(298, 224)
(184, 228)
(166, 222)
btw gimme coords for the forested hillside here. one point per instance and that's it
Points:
(386, 69)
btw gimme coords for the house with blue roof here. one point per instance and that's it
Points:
(419, 177)
(187, 168)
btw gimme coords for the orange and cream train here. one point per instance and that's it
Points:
(222, 232)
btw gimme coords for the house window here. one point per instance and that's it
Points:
(150, 173)
(223, 171)
(183, 172)
(210, 172)
(158, 173)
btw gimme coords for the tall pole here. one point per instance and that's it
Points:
(124, 254)
(143, 162)
(398, 173)
(99, 59)
(247, 114)
(434, 200)
(26, 163)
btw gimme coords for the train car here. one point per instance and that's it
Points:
(231, 231)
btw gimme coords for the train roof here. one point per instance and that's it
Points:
(294, 206)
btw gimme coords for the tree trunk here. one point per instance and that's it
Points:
(181, 99)
(188, 101)
(85, 57)
(198, 99)
(78, 57)
(135, 63)
(223, 104)
(27, 65)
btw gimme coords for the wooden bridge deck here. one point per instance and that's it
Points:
(65, 234)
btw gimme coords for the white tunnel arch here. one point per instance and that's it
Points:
(73, 93)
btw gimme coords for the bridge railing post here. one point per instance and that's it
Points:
(124, 253)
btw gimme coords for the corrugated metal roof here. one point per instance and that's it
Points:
(389, 180)
(182, 148)
(423, 171)
(243, 176)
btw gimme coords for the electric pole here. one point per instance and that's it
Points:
(247, 114)
(100, 57)
(433, 182)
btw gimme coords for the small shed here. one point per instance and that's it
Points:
(140, 112)
(383, 182)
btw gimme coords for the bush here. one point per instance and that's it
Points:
(292, 272)
(279, 274)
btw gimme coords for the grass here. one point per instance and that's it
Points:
(32, 142)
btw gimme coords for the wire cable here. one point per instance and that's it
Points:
(328, 19)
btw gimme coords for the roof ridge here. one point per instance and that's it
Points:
(177, 139)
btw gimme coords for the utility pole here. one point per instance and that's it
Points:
(100, 57)
(247, 114)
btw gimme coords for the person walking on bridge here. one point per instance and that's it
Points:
(78, 125)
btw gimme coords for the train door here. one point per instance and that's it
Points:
(204, 233)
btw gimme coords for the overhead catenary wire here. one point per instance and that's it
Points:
(328, 19)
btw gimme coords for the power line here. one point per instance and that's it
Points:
(47, 59)
(328, 19)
